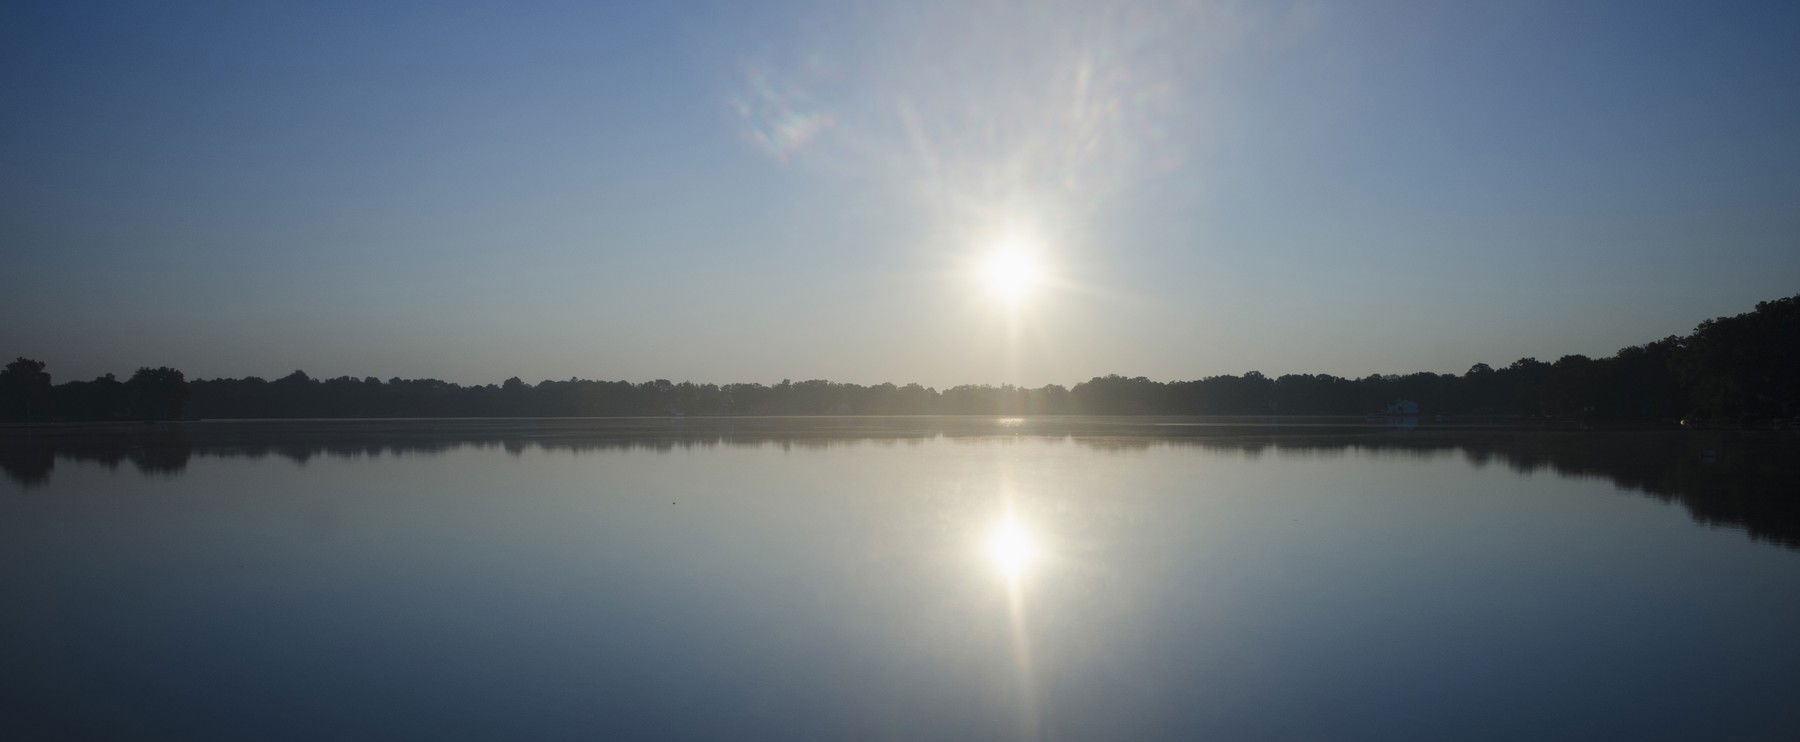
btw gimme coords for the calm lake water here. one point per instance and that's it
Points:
(896, 579)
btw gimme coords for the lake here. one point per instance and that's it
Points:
(897, 578)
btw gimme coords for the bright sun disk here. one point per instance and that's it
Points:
(1011, 272)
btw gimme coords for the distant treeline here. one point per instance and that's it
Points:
(1729, 369)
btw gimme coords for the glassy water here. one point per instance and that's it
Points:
(896, 579)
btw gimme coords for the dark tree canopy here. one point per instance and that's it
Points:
(24, 390)
(1730, 369)
(157, 393)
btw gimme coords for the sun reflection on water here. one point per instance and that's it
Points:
(1011, 548)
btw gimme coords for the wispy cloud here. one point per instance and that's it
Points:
(779, 115)
(988, 105)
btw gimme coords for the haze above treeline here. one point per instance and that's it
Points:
(1735, 368)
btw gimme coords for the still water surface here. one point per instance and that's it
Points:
(896, 579)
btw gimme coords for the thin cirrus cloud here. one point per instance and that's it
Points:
(780, 119)
(986, 107)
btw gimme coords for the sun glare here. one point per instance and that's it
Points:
(1011, 271)
(1011, 548)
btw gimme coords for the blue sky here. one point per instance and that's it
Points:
(715, 192)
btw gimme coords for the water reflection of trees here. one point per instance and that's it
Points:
(1739, 479)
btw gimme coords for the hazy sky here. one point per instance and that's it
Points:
(713, 192)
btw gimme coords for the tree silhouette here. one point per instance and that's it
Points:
(157, 393)
(1731, 369)
(24, 390)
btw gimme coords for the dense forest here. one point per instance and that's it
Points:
(1730, 369)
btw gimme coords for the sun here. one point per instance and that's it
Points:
(1011, 270)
